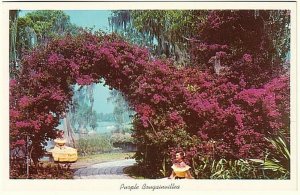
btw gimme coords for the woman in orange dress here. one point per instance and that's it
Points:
(180, 169)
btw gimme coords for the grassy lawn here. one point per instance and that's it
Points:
(84, 161)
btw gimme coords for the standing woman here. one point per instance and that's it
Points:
(180, 169)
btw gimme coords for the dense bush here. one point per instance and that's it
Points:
(42, 171)
(121, 138)
(94, 144)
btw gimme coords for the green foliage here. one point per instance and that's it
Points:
(121, 23)
(167, 32)
(13, 14)
(276, 163)
(94, 144)
(37, 27)
(172, 26)
(47, 24)
(225, 169)
(43, 171)
(121, 138)
(282, 148)
(277, 24)
(164, 171)
(43, 24)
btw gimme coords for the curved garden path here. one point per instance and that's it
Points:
(105, 170)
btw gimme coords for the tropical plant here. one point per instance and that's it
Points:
(225, 169)
(276, 162)
(163, 169)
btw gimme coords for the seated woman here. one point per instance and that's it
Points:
(180, 169)
(61, 152)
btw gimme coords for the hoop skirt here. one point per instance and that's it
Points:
(63, 153)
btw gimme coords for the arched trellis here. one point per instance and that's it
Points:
(175, 106)
(42, 92)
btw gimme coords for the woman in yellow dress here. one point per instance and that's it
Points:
(180, 169)
(61, 152)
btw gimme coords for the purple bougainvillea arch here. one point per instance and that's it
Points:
(174, 106)
(41, 93)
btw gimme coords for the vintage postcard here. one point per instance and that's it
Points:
(149, 96)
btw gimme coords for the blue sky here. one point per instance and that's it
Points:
(90, 18)
(97, 19)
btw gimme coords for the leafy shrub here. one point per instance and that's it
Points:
(226, 169)
(43, 171)
(121, 138)
(94, 144)
(276, 163)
